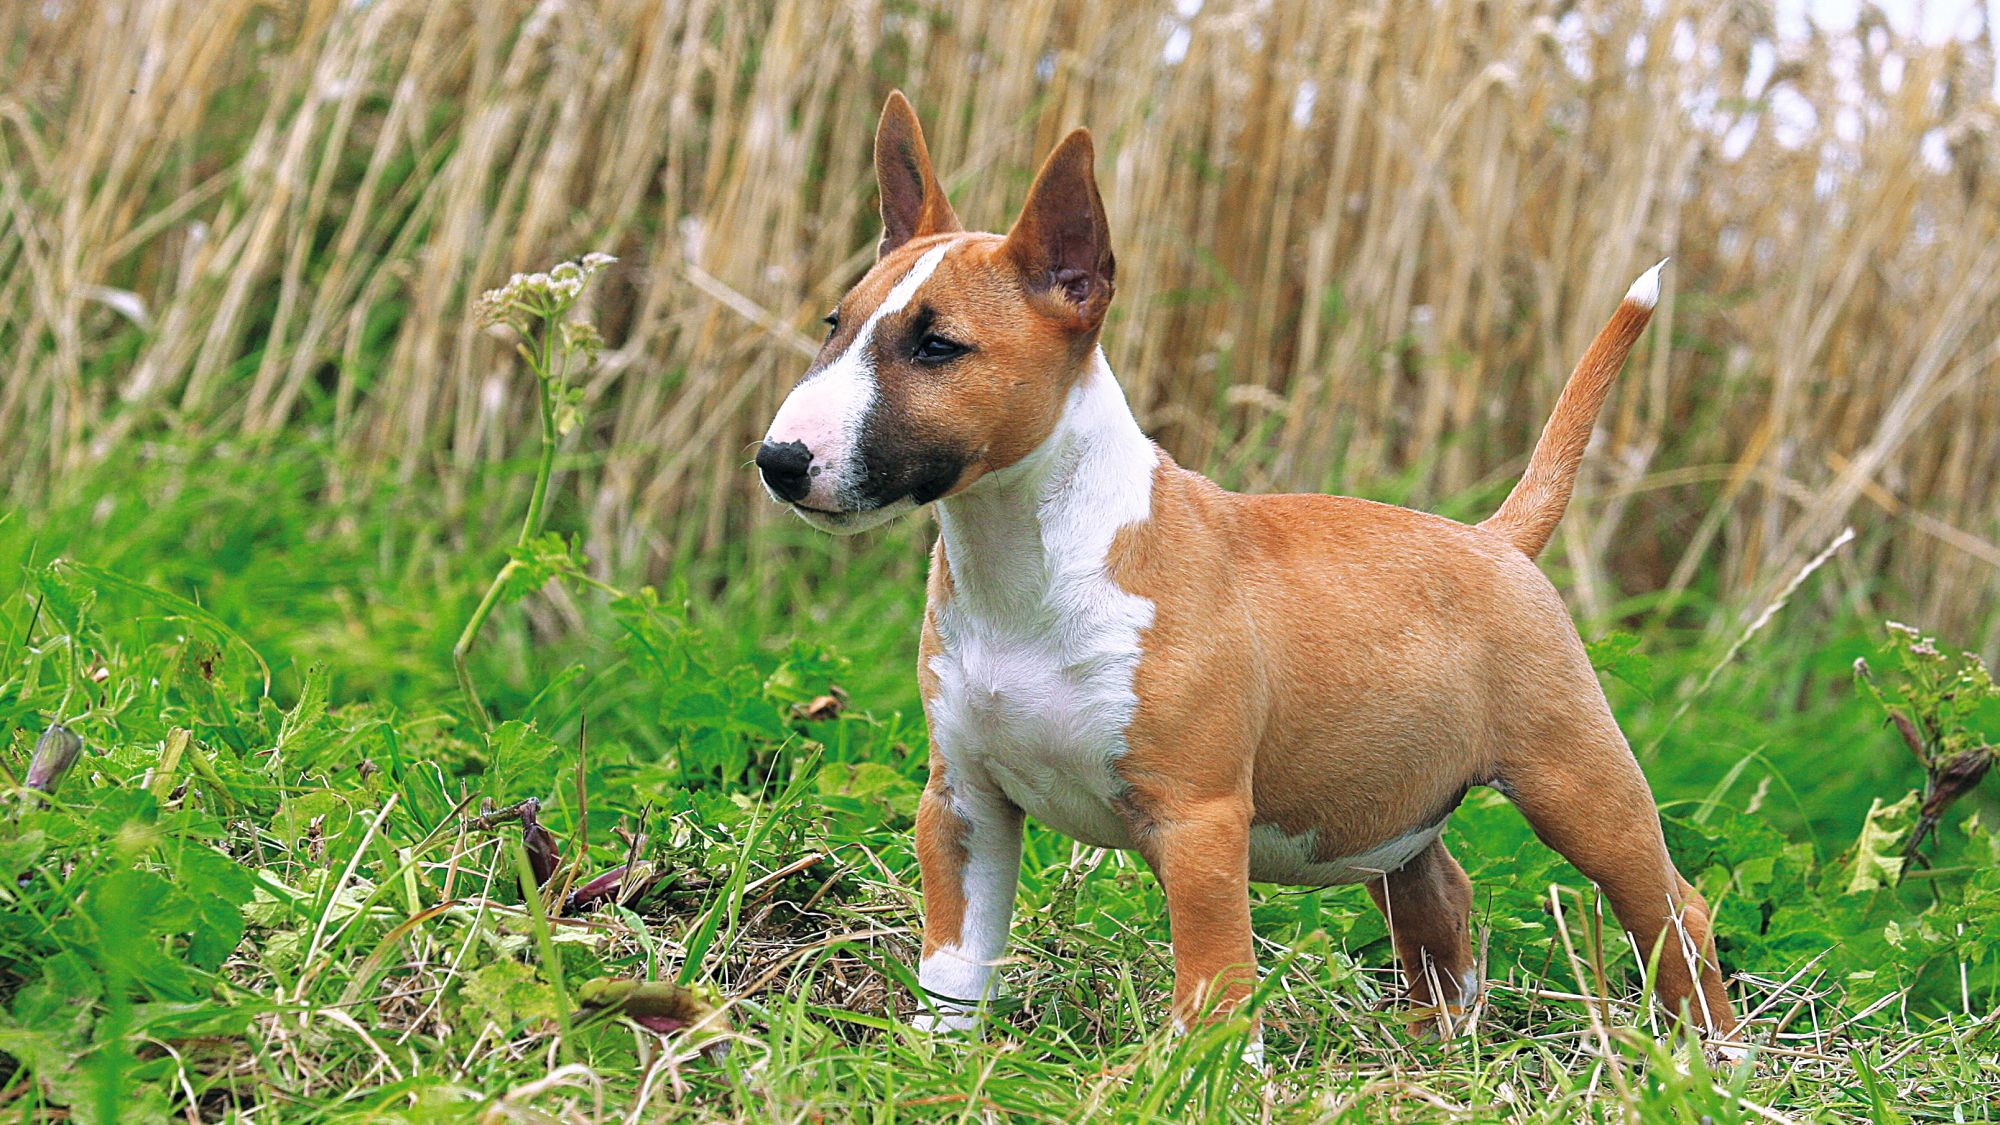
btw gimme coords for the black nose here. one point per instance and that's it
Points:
(784, 467)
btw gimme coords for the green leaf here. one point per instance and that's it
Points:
(566, 403)
(293, 823)
(870, 792)
(172, 603)
(305, 729)
(534, 563)
(1878, 858)
(1617, 655)
(509, 993)
(521, 762)
(219, 888)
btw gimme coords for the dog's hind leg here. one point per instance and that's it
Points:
(1428, 903)
(1588, 800)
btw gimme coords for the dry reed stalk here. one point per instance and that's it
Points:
(1359, 245)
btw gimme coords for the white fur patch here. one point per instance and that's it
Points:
(1253, 1048)
(1645, 292)
(1037, 650)
(1731, 1054)
(1468, 988)
(826, 411)
(1278, 858)
(1037, 645)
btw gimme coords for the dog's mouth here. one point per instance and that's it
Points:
(853, 520)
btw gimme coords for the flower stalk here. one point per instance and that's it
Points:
(533, 306)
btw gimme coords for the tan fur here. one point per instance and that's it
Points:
(1529, 514)
(1355, 666)
(940, 831)
(1315, 663)
(940, 847)
(1428, 902)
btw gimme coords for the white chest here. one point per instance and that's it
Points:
(1037, 643)
(1039, 707)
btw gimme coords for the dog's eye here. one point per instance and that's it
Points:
(934, 348)
(832, 321)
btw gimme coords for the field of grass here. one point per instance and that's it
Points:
(262, 860)
(264, 890)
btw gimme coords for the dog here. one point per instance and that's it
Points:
(1291, 689)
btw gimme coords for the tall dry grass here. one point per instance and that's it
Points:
(1360, 245)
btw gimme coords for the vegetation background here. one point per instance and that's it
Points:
(263, 458)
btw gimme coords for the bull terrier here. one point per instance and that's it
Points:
(1291, 689)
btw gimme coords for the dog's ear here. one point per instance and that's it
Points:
(912, 202)
(1062, 241)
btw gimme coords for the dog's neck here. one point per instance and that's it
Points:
(1015, 536)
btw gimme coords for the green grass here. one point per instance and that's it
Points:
(289, 915)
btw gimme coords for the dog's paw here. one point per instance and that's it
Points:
(944, 1021)
(1728, 1053)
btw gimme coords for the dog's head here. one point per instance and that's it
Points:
(953, 357)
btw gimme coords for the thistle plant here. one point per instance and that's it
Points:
(1939, 704)
(534, 308)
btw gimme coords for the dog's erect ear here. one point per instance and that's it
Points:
(1062, 242)
(912, 202)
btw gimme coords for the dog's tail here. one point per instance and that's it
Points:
(1530, 513)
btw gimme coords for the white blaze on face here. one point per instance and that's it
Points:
(827, 410)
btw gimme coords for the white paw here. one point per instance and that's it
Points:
(945, 1020)
(1253, 1049)
(1729, 1054)
(1468, 989)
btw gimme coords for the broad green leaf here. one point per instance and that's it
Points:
(1878, 856)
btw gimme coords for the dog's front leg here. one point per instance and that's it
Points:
(969, 855)
(1201, 852)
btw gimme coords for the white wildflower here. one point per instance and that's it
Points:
(535, 296)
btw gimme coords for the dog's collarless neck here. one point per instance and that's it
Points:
(1016, 533)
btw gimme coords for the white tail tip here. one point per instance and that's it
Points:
(1645, 292)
